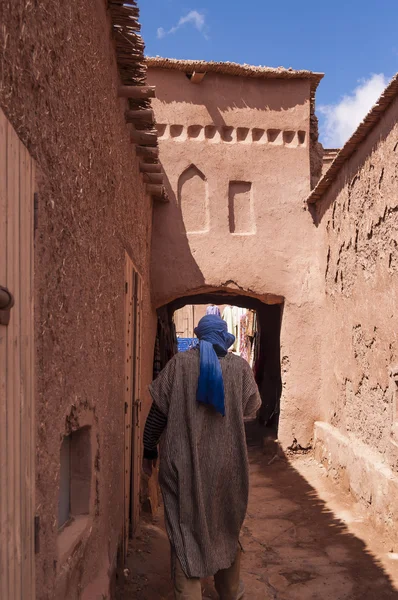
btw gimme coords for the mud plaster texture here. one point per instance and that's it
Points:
(359, 220)
(317, 152)
(303, 538)
(59, 90)
(234, 147)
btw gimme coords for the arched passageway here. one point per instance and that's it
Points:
(267, 366)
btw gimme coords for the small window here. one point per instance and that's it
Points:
(75, 476)
(64, 489)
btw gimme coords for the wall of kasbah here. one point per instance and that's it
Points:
(236, 156)
(360, 356)
(59, 90)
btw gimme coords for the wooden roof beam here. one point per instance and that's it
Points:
(145, 115)
(153, 178)
(150, 167)
(197, 77)
(155, 189)
(137, 92)
(144, 138)
(147, 152)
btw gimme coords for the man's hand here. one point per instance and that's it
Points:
(148, 466)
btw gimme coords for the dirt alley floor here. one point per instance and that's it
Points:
(304, 539)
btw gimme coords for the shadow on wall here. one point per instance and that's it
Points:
(175, 274)
(174, 270)
(295, 546)
(216, 92)
(174, 239)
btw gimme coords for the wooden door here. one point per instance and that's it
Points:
(17, 416)
(132, 403)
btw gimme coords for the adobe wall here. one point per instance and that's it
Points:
(236, 155)
(358, 435)
(59, 89)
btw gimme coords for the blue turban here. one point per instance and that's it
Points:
(214, 340)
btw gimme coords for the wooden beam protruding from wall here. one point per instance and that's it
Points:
(146, 115)
(150, 167)
(137, 92)
(153, 178)
(155, 189)
(147, 151)
(149, 138)
(197, 77)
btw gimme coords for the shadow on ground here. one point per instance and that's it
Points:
(295, 547)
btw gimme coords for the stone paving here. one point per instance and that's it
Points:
(304, 539)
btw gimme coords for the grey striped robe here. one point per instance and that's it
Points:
(204, 473)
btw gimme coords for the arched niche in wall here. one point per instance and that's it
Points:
(193, 200)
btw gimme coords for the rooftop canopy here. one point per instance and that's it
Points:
(230, 68)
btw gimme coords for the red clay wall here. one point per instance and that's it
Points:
(236, 155)
(59, 89)
(360, 358)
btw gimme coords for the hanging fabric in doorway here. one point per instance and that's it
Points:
(231, 317)
(245, 342)
(213, 310)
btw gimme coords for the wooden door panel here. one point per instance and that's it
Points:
(132, 451)
(17, 421)
(128, 396)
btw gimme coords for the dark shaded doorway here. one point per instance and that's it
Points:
(267, 367)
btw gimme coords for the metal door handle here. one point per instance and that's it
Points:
(6, 304)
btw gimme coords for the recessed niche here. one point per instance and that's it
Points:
(289, 138)
(195, 132)
(211, 132)
(258, 135)
(301, 138)
(227, 134)
(176, 130)
(240, 204)
(75, 475)
(161, 127)
(274, 136)
(77, 491)
(193, 200)
(242, 134)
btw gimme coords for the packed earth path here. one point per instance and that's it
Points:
(303, 539)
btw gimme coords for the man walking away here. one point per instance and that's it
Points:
(200, 400)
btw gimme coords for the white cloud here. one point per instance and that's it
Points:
(194, 18)
(343, 118)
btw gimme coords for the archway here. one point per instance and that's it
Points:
(267, 367)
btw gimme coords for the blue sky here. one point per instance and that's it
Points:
(354, 42)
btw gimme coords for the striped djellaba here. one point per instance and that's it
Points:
(204, 474)
(154, 427)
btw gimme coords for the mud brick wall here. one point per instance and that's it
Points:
(58, 88)
(359, 215)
